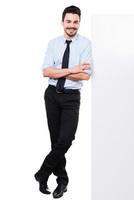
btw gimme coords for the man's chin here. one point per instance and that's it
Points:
(71, 34)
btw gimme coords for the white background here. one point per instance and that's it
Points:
(25, 28)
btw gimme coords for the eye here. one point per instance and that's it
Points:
(68, 22)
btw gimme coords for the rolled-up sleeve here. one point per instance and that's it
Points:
(86, 57)
(48, 58)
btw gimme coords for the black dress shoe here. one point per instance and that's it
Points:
(59, 191)
(44, 188)
(37, 176)
(42, 185)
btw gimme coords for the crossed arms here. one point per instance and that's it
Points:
(75, 73)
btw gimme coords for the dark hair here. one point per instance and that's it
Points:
(71, 9)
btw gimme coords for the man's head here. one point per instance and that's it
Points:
(71, 21)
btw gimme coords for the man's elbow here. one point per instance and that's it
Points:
(45, 72)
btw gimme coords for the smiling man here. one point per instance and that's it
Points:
(67, 63)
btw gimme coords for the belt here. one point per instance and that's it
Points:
(65, 91)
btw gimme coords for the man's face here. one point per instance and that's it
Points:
(71, 24)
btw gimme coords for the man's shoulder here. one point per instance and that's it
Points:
(56, 39)
(84, 39)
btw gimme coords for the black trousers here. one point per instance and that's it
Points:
(62, 111)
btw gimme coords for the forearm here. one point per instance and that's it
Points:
(78, 76)
(78, 70)
(53, 72)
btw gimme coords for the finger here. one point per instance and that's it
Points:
(86, 63)
(86, 67)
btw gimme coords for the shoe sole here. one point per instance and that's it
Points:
(45, 192)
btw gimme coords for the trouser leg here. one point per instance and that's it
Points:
(61, 172)
(68, 126)
(53, 118)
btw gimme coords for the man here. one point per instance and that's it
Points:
(67, 63)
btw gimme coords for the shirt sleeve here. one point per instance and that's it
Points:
(86, 57)
(48, 58)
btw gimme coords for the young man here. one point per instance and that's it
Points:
(67, 63)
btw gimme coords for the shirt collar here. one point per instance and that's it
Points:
(73, 39)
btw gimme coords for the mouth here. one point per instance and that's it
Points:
(72, 29)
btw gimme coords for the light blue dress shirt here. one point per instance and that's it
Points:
(80, 53)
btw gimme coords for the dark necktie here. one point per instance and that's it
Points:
(65, 61)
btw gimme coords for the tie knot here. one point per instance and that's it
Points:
(68, 41)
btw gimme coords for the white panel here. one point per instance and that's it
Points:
(113, 107)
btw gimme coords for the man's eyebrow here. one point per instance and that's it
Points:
(70, 20)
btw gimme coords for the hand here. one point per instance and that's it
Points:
(79, 68)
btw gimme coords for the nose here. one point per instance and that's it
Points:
(72, 25)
